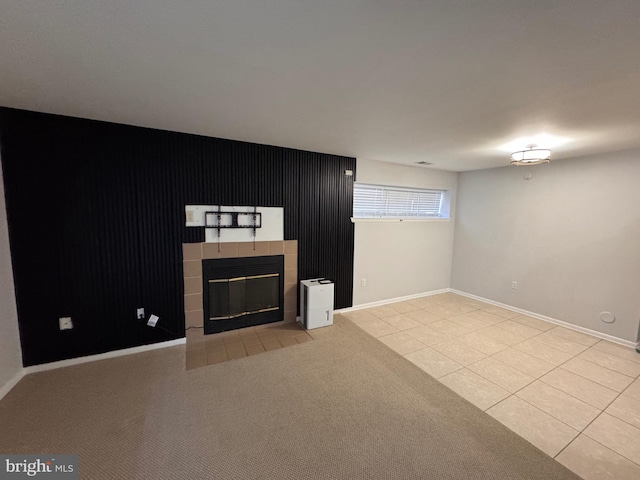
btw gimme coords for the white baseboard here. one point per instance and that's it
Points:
(6, 388)
(555, 321)
(102, 356)
(392, 300)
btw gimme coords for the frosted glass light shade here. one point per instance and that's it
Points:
(531, 156)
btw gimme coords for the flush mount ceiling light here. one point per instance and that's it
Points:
(531, 156)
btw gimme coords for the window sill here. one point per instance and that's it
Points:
(395, 220)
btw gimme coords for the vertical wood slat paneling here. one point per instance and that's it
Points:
(318, 208)
(96, 222)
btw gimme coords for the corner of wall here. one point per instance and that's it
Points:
(558, 239)
(11, 370)
(396, 260)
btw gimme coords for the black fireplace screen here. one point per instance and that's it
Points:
(234, 297)
(242, 292)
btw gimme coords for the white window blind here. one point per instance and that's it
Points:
(380, 201)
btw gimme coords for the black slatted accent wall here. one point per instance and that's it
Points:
(96, 222)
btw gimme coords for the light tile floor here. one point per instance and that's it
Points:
(574, 396)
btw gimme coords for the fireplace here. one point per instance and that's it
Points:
(242, 292)
(193, 255)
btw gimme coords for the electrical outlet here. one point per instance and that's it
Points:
(514, 285)
(363, 282)
(140, 313)
(65, 323)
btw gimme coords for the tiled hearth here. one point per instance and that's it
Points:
(221, 347)
(208, 349)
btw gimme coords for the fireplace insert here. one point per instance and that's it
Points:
(242, 292)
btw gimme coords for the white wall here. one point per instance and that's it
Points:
(10, 353)
(570, 237)
(271, 230)
(402, 258)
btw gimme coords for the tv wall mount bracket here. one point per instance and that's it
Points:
(223, 219)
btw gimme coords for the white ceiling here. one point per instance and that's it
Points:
(445, 82)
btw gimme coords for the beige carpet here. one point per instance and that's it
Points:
(341, 407)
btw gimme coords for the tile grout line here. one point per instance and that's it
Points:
(498, 360)
(580, 432)
(595, 381)
(492, 356)
(612, 354)
(601, 444)
(525, 401)
(573, 396)
(594, 419)
(514, 394)
(573, 356)
(598, 383)
(238, 334)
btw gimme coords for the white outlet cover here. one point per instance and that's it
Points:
(65, 323)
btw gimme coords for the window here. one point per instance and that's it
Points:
(381, 201)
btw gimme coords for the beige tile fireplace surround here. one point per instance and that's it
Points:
(194, 253)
